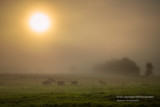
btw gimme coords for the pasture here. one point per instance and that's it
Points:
(27, 90)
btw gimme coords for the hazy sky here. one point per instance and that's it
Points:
(83, 32)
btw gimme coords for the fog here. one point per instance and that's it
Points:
(84, 33)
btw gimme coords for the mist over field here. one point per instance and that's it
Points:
(84, 33)
(79, 53)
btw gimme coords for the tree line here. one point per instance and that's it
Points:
(124, 66)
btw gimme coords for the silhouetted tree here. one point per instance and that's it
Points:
(149, 68)
(123, 66)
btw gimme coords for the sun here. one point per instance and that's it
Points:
(39, 22)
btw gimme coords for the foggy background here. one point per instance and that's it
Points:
(84, 33)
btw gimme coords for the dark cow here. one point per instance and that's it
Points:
(102, 82)
(60, 83)
(74, 82)
(46, 83)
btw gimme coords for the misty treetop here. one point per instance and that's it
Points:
(124, 66)
(149, 68)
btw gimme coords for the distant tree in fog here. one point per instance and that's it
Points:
(123, 66)
(149, 68)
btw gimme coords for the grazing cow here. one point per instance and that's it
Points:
(60, 83)
(102, 82)
(46, 83)
(74, 82)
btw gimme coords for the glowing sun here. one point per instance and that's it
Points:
(39, 22)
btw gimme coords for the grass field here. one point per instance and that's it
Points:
(26, 90)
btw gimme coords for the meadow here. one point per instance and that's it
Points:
(26, 90)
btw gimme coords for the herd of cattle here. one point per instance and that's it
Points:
(61, 83)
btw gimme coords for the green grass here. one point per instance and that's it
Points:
(27, 91)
